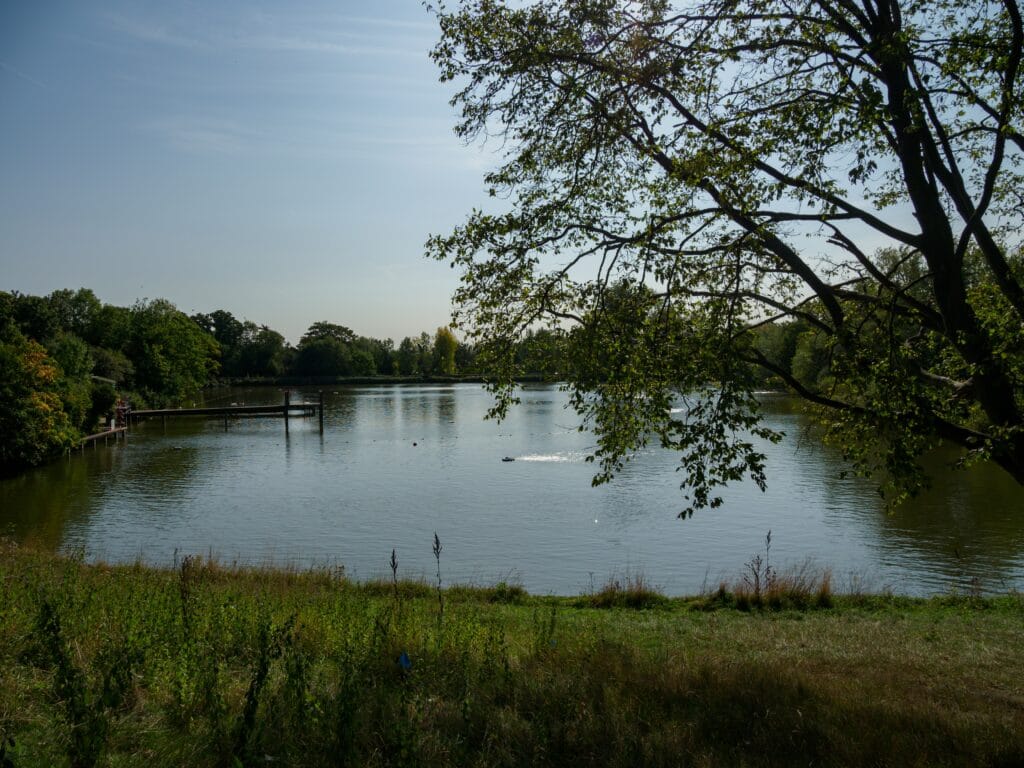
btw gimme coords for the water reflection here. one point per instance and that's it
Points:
(415, 407)
(341, 410)
(969, 525)
(351, 495)
(446, 411)
(39, 505)
(49, 504)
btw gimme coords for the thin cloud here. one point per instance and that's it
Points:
(317, 80)
(203, 136)
(393, 141)
(362, 44)
(22, 76)
(409, 151)
(312, 45)
(152, 32)
(386, 22)
(211, 136)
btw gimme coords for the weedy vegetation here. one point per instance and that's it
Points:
(209, 665)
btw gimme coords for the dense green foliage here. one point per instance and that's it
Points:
(66, 358)
(709, 194)
(327, 349)
(246, 349)
(32, 420)
(172, 356)
(445, 345)
(206, 666)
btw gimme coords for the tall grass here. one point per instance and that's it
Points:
(631, 591)
(206, 665)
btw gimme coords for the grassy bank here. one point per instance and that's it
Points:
(205, 665)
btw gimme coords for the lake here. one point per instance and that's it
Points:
(398, 462)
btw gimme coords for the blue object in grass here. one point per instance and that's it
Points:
(404, 661)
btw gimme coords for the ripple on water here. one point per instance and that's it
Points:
(252, 493)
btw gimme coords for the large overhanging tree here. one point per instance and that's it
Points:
(675, 176)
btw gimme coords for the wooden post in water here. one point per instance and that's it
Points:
(287, 403)
(321, 411)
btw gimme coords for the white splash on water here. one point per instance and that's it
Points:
(561, 457)
(545, 457)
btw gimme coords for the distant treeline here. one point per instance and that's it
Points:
(67, 357)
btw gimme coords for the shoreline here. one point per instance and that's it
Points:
(205, 666)
(789, 589)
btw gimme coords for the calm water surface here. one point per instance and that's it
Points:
(397, 463)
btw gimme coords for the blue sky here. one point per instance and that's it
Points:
(283, 161)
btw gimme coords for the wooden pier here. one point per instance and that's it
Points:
(115, 433)
(283, 411)
(299, 409)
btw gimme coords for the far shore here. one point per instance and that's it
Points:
(310, 381)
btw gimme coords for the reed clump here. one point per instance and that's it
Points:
(762, 586)
(212, 665)
(631, 591)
